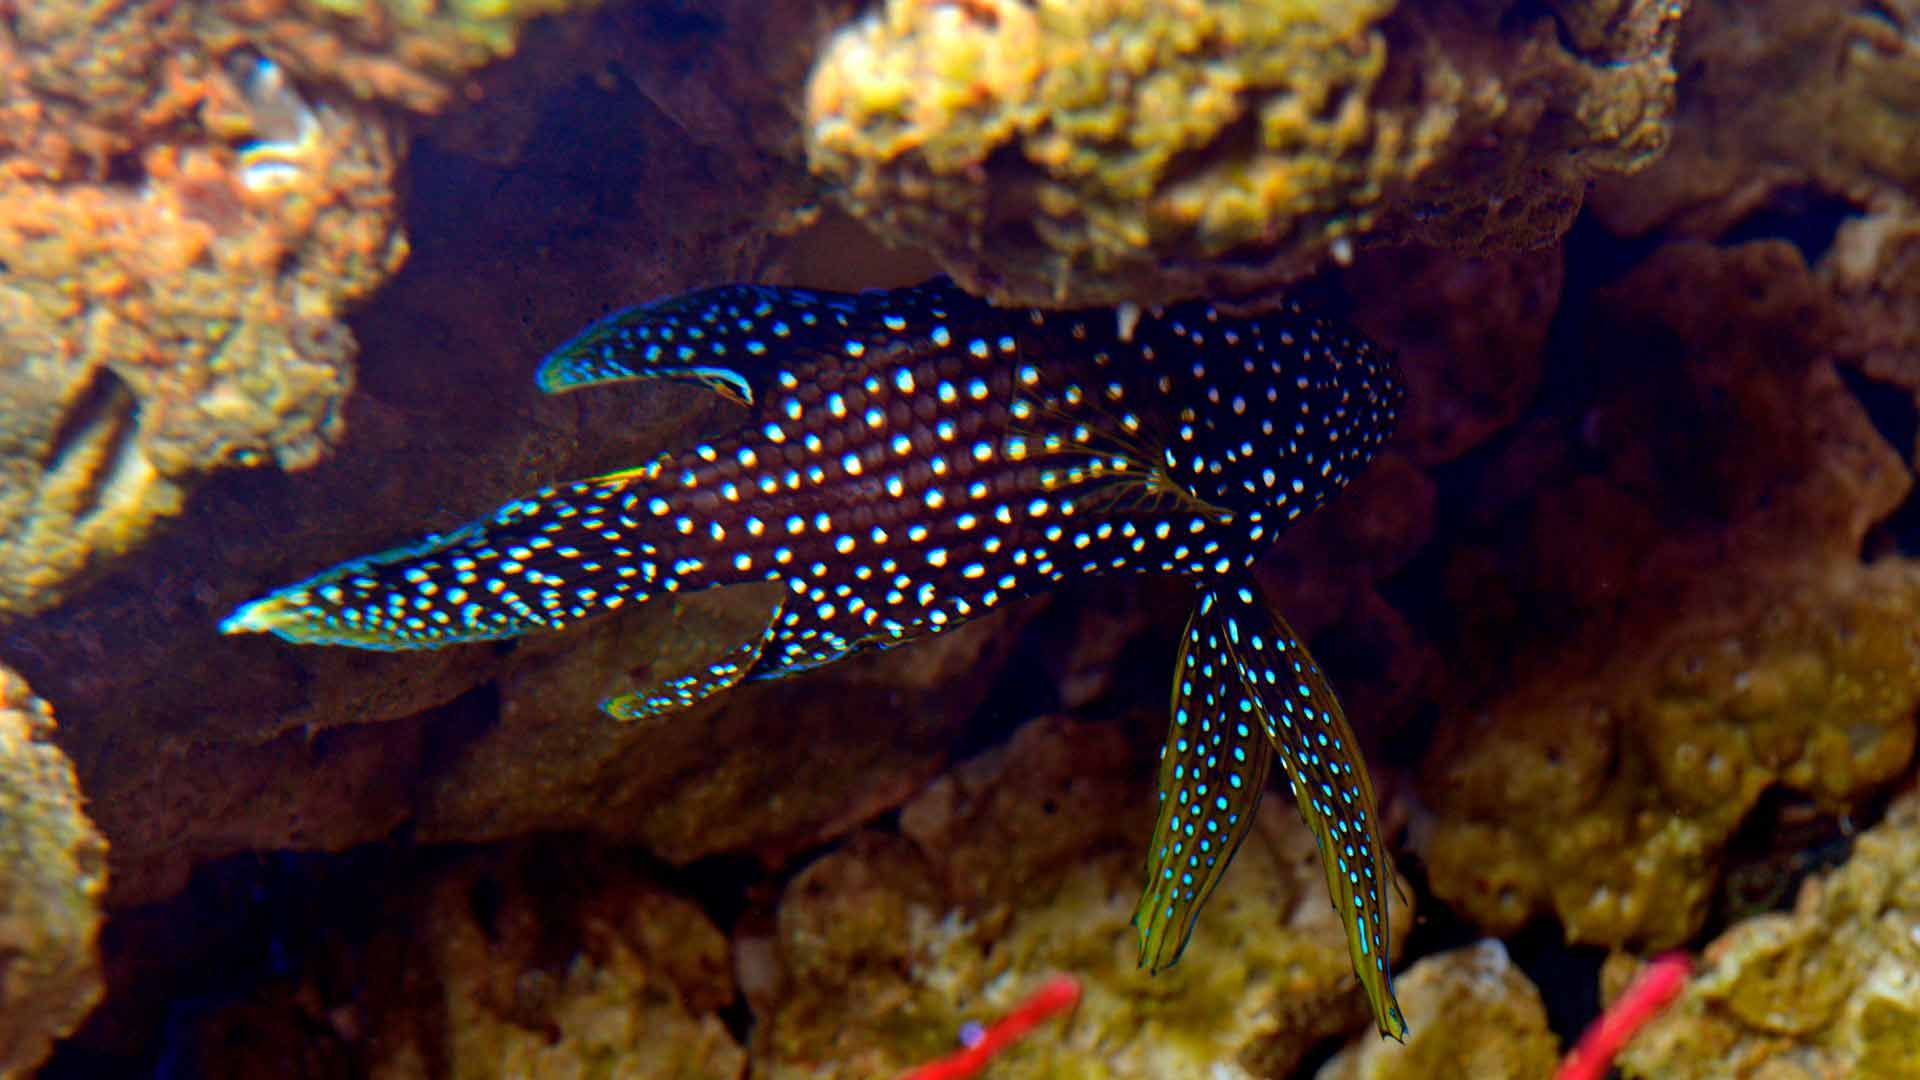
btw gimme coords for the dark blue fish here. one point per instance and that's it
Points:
(915, 458)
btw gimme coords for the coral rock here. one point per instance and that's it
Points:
(1058, 152)
(1026, 861)
(52, 874)
(1830, 989)
(182, 318)
(771, 769)
(1780, 94)
(633, 994)
(1479, 1016)
(1682, 630)
(548, 959)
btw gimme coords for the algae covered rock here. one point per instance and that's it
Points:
(1026, 861)
(1682, 628)
(1829, 989)
(1061, 152)
(52, 874)
(558, 957)
(192, 746)
(185, 323)
(1781, 95)
(1480, 1017)
(768, 768)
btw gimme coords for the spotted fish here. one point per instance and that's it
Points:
(912, 458)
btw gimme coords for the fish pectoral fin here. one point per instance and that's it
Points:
(737, 339)
(1213, 771)
(1328, 778)
(685, 691)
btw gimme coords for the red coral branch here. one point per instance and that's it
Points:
(1651, 991)
(1057, 995)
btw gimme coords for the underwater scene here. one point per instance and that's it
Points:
(948, 539)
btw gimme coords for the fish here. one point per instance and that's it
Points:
(910, 459)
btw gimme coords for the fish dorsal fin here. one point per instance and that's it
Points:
(1213, 770)
(736, 339)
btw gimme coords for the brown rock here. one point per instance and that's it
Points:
(1480, 1017)
(52, 874)
(1830, 989)
(1025, 861)
(1689, 627)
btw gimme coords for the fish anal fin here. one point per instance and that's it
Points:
(1213, 771)
(684, 691)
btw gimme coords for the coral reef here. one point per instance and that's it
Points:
(1061, 152)
(533, 959)
(1024, 861)
(1480, 1017)
(52, 875)
(1717, 633)
(189, 752)
(1831, 988)
(773, 769)
(1781, 94)
(177, 266)
(1642, 569)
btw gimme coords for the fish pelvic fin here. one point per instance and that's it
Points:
(538, 563)
(1327, 777)
(1213, 771)
(739, 339)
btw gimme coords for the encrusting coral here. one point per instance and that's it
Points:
(1714, 631)
(1831, 988)
(1056, 152)
(1482, 1018)
(1022, 862)
(52, 875)
(192, 197)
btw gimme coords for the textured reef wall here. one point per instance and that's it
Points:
(1628, 614)
(1060, 152)
(52, 872)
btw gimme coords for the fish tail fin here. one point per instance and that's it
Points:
(538, 563)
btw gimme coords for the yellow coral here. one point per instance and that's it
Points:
(1019, 863)
(1104, 150)
(1830, 989)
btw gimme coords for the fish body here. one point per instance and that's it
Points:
(913, 458)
